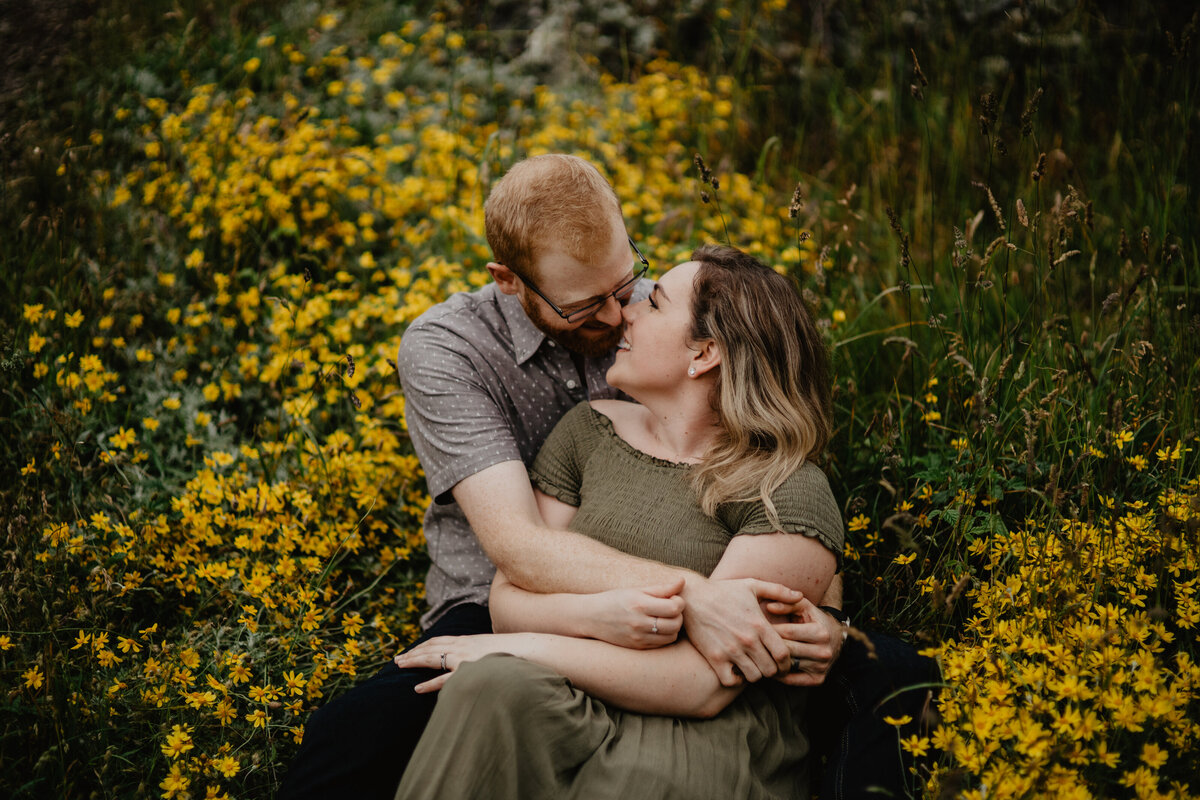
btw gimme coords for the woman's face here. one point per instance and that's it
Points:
(655, 351)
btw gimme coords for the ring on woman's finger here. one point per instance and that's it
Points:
(443, 662)
(795, 664)
(655, 628)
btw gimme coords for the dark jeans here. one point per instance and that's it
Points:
(861, 753)
(358, 745)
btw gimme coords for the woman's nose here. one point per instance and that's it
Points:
(631, 310)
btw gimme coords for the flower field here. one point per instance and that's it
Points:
(218, 225)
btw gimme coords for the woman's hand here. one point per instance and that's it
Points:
(449, 652)
(640, 619)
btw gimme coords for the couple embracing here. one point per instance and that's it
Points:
(634, 556)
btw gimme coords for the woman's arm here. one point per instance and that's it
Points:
(797, 561)
(501, 508)
(674, 680)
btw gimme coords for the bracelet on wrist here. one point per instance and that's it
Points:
(836, 613)
(840, 616)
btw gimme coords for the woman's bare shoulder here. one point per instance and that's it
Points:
(616, 409)
(626, 417)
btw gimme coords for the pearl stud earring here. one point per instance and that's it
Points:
(692, 371)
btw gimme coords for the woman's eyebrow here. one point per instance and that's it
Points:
(660, 290)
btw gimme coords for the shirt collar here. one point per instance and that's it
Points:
(526, 337)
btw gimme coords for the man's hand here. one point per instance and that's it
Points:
(814, 640)
(725, 622)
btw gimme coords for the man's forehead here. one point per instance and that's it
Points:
(583, 278)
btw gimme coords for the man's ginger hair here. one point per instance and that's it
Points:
(546, 200)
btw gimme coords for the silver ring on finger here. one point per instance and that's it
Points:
(443, 662)
(655, 628)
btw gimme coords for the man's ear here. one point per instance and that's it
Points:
(705, 358)
(504, 277)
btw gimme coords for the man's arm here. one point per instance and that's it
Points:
(723, 618)
(642, 618)
(674, 680)
(500, 506)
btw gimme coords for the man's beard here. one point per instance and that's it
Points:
(595, 343)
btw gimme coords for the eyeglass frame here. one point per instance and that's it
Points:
(591, 310)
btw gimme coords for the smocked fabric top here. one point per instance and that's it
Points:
(646, 506)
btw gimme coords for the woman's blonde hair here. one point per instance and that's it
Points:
(772, 393)
(553, 199)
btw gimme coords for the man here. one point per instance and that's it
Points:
(486, 377)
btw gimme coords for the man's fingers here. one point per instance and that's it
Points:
(765, 657)
(778, 649)
(811, 656)
(811, 632)
(783, 609)
(768, 590)
(802, 608)
(729, 677)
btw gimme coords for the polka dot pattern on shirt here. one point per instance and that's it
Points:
(482, 386)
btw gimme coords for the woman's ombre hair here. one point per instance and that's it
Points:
(772, 393)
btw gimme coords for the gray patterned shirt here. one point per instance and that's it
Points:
(482, 386)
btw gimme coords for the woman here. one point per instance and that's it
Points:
(711, 470)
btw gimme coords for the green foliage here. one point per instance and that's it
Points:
(220, 219)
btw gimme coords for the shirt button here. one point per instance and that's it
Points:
(550, 342)
(571, 384)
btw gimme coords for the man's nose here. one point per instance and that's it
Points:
(610, 313)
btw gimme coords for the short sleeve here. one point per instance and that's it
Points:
(804, 503)
(458, 427)
(558, 468)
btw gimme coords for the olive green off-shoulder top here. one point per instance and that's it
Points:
(646, 507)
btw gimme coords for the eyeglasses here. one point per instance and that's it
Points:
(622, 293)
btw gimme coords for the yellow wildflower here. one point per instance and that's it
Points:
(227, 766)
(918, 746)
(179, 741)
(33, 678)
(124, 438)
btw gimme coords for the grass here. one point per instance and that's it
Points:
(220, 219)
